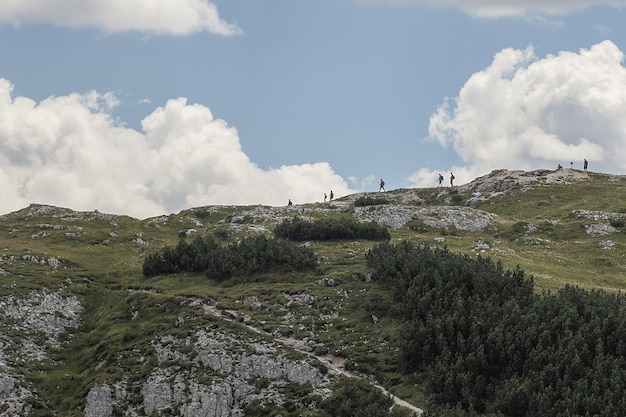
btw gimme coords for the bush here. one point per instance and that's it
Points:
(246, 257)
(457, 198)
(353, 397)
(418, 227)
(370, 201)
(299, 229)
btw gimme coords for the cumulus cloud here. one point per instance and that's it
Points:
(499, 8)
(177, 17)
(68, 151)
(522, 112)
(368, 182)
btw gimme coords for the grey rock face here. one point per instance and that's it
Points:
(7, 385)
(606, 219)
(227, 367)
(502, 180)
(47, 312)
(597, 215)
(216, 402)
(13, 397)
(42, 311)
(99, 402)
(443, 217)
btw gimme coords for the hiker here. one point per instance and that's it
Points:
(325, 197)
(585, 164)
(290, 203)
(440, 180)
(559, 167)
(382, 185)
(331, 195)
(452, 179)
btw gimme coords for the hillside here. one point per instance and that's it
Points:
(84, 332)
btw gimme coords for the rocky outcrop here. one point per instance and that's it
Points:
(442, 217)
(596, 215)
(47, 312)
(606, 221)
(99, 402)
(39, 312)
(12, 396)
(219, 380)
(67, 215)
(502, 180)
(214, 402)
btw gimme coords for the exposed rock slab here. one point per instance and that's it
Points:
(442, 217)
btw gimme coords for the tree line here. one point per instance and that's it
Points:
(487, 344)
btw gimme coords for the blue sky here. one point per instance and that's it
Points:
(182, 103)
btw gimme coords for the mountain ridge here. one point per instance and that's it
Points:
(497, 180)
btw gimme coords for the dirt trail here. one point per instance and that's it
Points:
(334, 364)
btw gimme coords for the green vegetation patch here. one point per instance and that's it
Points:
(341, 228)
(486, 343)
(246, 257)
(370, 201)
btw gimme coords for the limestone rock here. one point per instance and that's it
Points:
(99, 402)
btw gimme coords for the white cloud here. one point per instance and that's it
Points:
(68, 151)
(426, 177)
(523, 112)
(178, 17)
(369, 182)
(499, 8)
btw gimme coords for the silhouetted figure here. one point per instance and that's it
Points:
(559, 167)
(585, 164)
(382, 185)
(325, 197)
(331, 195)
(452, 177)
(440, 180)
(290, 203)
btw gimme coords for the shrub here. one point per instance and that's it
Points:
(249, 256)
(370, 201)
(353, 397)
(299, 229)
(457, 198)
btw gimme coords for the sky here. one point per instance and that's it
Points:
(150, 107)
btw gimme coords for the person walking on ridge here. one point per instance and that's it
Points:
(440, 180)
(452, 177)
(585, 164)
(382, 185)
